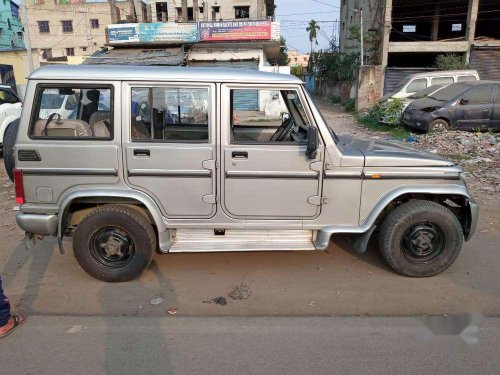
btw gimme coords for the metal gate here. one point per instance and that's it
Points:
(247, 100)
(486, 60)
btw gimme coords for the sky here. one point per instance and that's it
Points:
(294, 16)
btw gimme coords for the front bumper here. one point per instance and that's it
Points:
(417, 119)
(44, 224)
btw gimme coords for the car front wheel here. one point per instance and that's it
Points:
(420, 238)
(114, 243)
(439, 125)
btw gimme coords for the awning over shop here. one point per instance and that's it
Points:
(139, 56)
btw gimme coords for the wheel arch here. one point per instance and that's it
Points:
(466, 211)
(103, 196)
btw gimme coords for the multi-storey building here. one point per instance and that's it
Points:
(406, 36)
(63, 28)
(11, 30)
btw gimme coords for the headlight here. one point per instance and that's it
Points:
(430, 109)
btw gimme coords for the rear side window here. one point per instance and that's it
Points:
(417, 85)
(467, 78)
(442, 81)
(72, 112)
(169, 114)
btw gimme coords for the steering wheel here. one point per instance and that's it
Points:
(283, 131)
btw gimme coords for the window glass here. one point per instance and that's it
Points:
(169, 114)
(73, 112)
(417, 85)
(267, 116)
(480, 94)
(7, 97)
(466, 78)
(442, 81)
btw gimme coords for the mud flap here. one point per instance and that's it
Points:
(360, 243)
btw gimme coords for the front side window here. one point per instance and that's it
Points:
(417, 85)
(479, 95)
(169, 114)
(267, 116)
(73, 113)
(8, 97)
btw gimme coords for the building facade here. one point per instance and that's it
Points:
(406, 36)
(11, 30)
(210, 10)
(65, 30)
(297, 58)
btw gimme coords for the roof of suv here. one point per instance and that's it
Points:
(434, 73)
(157, 73)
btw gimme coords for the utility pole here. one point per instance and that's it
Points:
(26, 35)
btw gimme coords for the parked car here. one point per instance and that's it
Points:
(395, 118)
(124, 189)
(10, 109)
(471, 105)
(416, 82)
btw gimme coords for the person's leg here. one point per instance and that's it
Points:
(4, 307)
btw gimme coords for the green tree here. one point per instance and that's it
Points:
(312, 29)
(283, 56)
(296, 70)
(451, 61)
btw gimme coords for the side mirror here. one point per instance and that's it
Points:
(312, 142)
(464, 101)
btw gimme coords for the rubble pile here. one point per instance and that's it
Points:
(478, 154)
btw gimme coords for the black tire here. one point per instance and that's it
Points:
(439, 125)
(114, 228)
(9, 138)
(420, 238)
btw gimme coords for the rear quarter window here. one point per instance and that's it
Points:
(72, 112)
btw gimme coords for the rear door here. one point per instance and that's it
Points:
(170, 145)
(475, 109)
(265, 173)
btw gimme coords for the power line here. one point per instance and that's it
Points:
(330, 5)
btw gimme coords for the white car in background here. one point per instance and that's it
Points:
(10, 109)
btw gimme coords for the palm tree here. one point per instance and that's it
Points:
(313, 33)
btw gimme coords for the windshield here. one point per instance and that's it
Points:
(401, 84)
(450, 92)
(426, 92)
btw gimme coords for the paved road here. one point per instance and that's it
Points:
(232, 345)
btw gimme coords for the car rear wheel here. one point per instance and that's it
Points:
(114, 243)
(439, 125)
(420, 238)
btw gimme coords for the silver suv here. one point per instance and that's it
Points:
(206, 160)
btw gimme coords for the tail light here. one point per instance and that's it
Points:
(18, 185)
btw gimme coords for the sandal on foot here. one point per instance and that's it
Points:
(17, 323)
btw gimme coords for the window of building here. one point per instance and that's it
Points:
(73, 112)
(215, 11)
(161, 12)
(43, 27)
(20, 34)
(94, 23)
(47, 53)
(168, 114)
(442, 81)
(478, 95)
(200, 9)
(242, 12)
(263, 116)
(417, 85)
(190, 15)
(1, 32)
(67, 26)
(70, 52)
(8, 24)
(84, 49)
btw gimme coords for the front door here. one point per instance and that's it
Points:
(474, 110)
(265, 172)
(170, 146)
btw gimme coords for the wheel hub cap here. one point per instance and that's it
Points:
(112, 247)
(423, 242)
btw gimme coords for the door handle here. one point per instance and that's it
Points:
(239, 155)
(141, 152)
